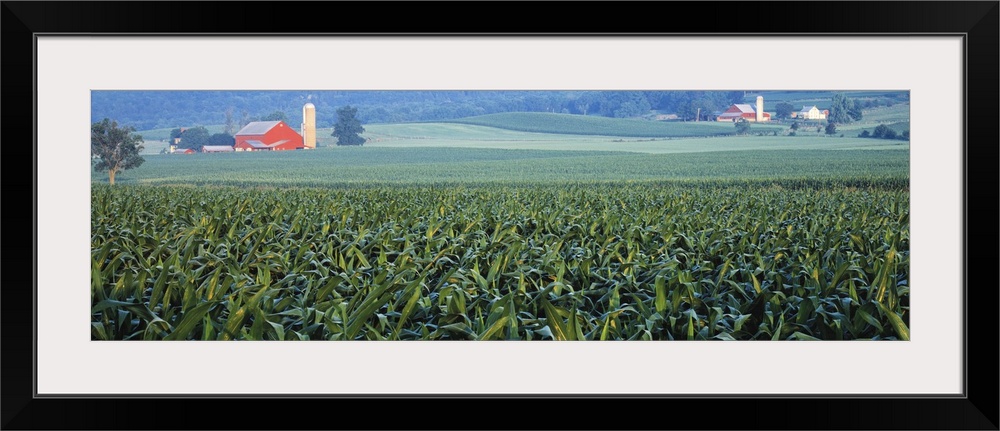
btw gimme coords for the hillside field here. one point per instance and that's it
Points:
(547, 131)
(603, 126)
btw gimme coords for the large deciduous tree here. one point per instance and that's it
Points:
(742, 127)
(194, 138)
(348, 129)
(230, 122)
(175, 134)
(783, 110)
(115, 148)
(839, 109)
(831, 128)
(844, 110)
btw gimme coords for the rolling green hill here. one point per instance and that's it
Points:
(470, 136)
(543, 122)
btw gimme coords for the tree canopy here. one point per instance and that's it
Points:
(783, 110)
(221, 139)
(742, 127)
(230, 121)
(831, 128)
(276, 116)
(174, 134)
(883, 132)
(348, 129)
(115, 148)
(194, 138)
(844, 110)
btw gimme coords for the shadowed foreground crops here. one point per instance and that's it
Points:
(769, 260)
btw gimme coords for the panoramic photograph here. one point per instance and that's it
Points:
(399, 215)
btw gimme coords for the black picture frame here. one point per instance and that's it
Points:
(977, 22)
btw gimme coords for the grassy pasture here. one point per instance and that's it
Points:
(885, 114)
(591, 125)
(899, 127)
(151, 147)
(896, 117)
(473, 136)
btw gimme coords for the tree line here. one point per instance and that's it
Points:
(146, 110)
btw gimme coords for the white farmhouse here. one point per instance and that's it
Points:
(812, 113)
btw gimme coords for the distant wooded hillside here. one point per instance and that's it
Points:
(146, 110)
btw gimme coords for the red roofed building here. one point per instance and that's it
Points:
(267, 136)
(746, 112)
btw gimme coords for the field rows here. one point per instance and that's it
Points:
(566, 262)
(328, 167)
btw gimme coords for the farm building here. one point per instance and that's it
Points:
(217, 149)
(309, 125)
(267, 136)
(177, 140)
(811, 113)
(184, 151)
(745, 111)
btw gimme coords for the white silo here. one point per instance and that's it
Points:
(760, 108)
(309, 125)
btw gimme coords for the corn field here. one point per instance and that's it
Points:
(765, 260)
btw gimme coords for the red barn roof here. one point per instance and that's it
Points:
(267, 136)
(742, 110)
(257, 128)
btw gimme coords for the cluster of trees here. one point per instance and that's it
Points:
(193, 107)
(889, 100)
(885, 132)
(844, 110)
(698, 105)
(195, 137)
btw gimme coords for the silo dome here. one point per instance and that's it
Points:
(309, 125)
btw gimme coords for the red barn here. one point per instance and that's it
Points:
(267, 136)
(744, 111)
